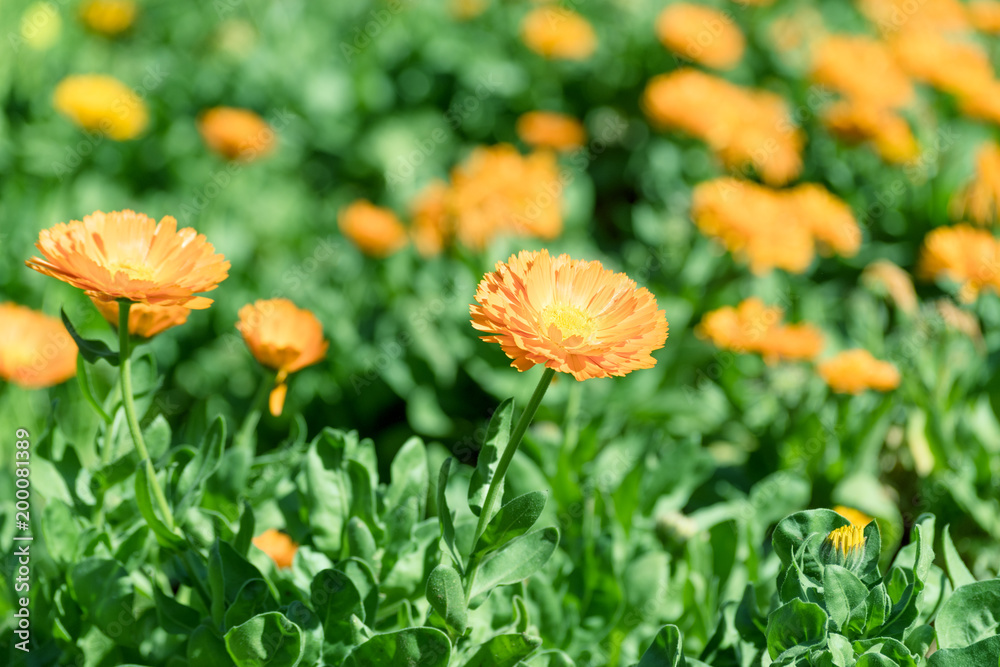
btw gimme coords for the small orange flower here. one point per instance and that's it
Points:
(754, 327)
(979, 201)
(128, 255)
(854, 371)
(283, 338)
(745, 127)
(947, 63)
(375, 230)
(110, 17)
(546, 129)
(572, 316)
(887, 278)
(236, 134)
(863, 70)
(895, 16)
(856, 517)
(985, 16)
(558, 33)
(701, 34)
(465, 10)
(431, 228)
(145, 321)
(35, 350)
(888, 132)
(964, 254)
(102, 104)
(279, 546)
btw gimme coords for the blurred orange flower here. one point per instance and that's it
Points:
(985, 16)
(863, 70)
(547, 129)
(854, 371)
(888, 132)
(701, 34)
(431, 228)
(110, 17)
(102, 104)
(278, 546)
(979, 201)
(887, 278)
(555, 32)
(128, 255)
(571, 316)
(236, 134)
(499, 191)
(946, 62)
(284, 338)
(964, 254)
(896, 16)
(744, 127)
(753, 327)
(375, 230)
(145, 321)
(35, 350)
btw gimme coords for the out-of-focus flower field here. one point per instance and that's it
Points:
(296, 453)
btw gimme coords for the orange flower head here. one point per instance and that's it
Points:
(830, 221)
(856, 517)
(558, 33)
(854, 371)
(745, 127)
(701, 34)
(979, 201)
(375, 230)
(431, 227)
(949, 64)
(284, 338)
(572, 316)
(145, 321)
(754, 327)
(888, 132)
(863, 70)
(127, 255)
(109, 17)
(792, 342)
(964, 254)
(279, 546)
(236, 134)
(985, 16)
(546, 129)
(896, 16)
(102, 104)
(35, 350)
(498, 191)
(885, 277)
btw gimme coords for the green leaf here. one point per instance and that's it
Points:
(794, 624)
(360, 541)
(516, 560)
(364, 579)
(504, 651)
(981, 654)
(447, 596)
(174, 617)
(104, 591)
(244, 537)
(844, 597)
(957, 571)
(91, 350)
(444, 515)
(513, 520)
(266, 640)
(205, 648)
(144, 498)
(971, 614)
(254, 598)
(326, 491)
(666, 649)
(61, 531)
(426, 647)
(206, 461)
(335, 598)
(227, 572)
(497, 437)
(406, 498)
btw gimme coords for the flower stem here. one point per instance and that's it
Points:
(497, 482)
(249, 425)
(125, 366)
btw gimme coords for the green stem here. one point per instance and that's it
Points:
(249, 425)
(125, 366)
(497, 482)
(88, 393)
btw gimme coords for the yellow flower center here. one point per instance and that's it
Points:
(847, 538)
(133, 271)
(570, 320)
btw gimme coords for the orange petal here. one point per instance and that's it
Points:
(277, 400)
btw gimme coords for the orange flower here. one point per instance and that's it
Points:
(546, 129)
(375, 230)
(964, 254)
(701, 34)
(499, 191)
(102, 104)
(127, 255)
(888, 132)
(985, 16)
(572, 316)
(236, 133)
(754, 327)
(283, 338)
(558, 33)
(887, 278)
(949, 64)
(830, 221)
(278, 546)
(856, 517)
(895, 16)
(430, 229)
(110, 17)
(145, 321)
(468, 9)
(979, 201)
(853, 371)
(35, 350)
(863, 70)
(746, 128)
